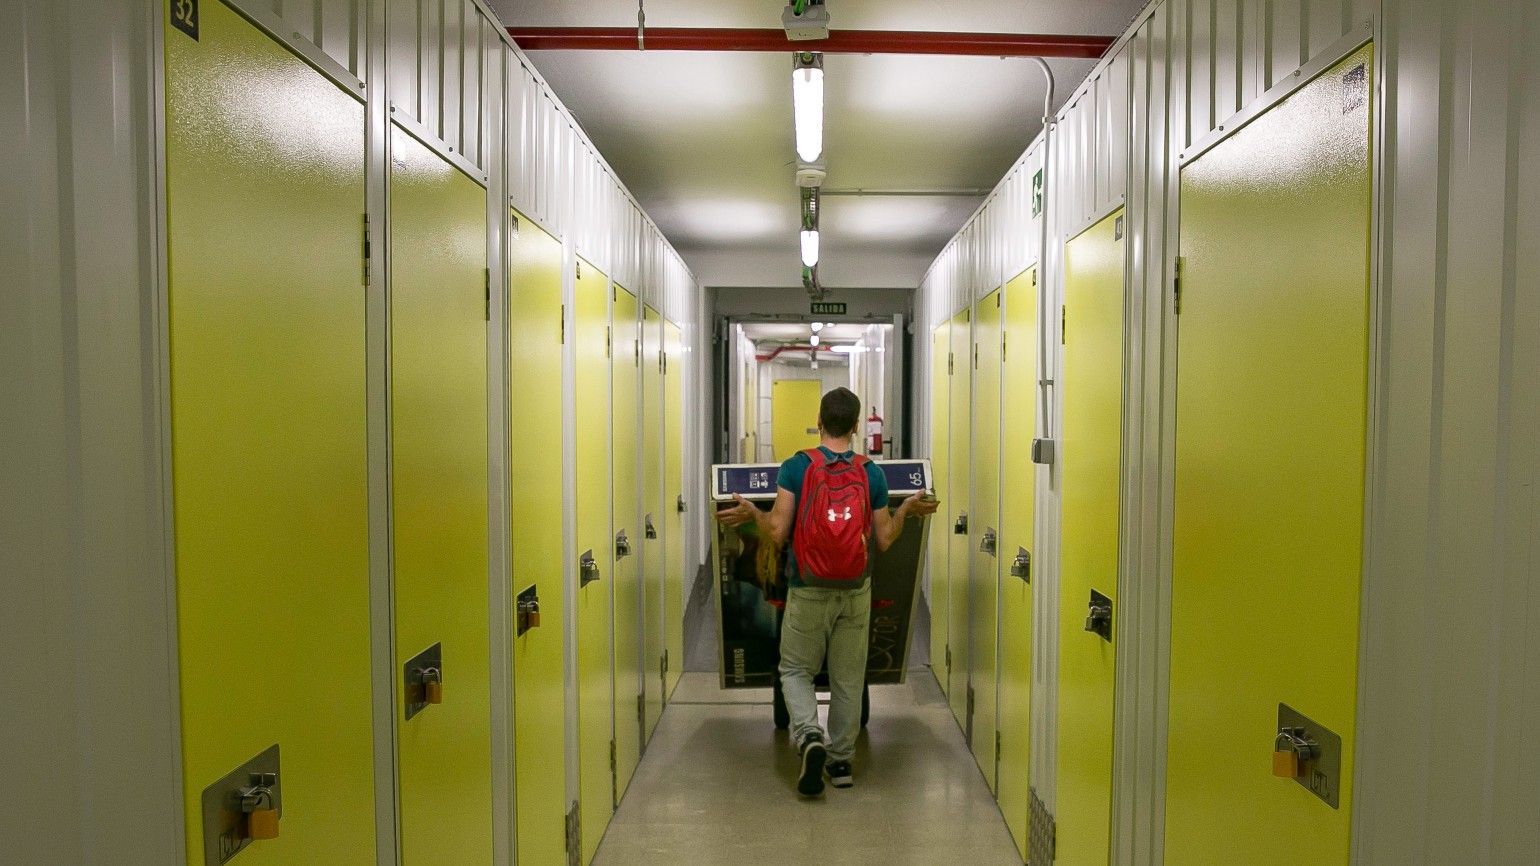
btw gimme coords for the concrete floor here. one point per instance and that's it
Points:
(716, 785)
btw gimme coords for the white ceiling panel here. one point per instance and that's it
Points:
(704, 140)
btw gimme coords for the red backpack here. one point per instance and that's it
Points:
(834, 522)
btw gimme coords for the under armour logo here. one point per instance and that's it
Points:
(833, 516)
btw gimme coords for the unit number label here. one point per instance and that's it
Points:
(184, 16)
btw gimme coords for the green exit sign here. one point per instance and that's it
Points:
(828, 308)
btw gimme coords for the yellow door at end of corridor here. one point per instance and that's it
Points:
(625, 421)
(960, 544)
(1092, 381)
(984, 528)
(675, 561)
(438, 409)
(1018, 491)
(938, 548)
(594, 553)
(794, 415)
(535, 459)
(269, 439)
(652, 520)
(1272, 424)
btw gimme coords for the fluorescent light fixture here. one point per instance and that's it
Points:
(814, 339)
(807, 104)
(810, 248)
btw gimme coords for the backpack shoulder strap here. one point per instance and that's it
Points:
(816, 455)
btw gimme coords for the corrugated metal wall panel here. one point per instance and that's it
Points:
(440, 69)
(336, 27)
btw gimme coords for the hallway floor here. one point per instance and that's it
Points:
(717, 786)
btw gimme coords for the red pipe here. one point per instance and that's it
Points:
(839, 41)
(779, 349)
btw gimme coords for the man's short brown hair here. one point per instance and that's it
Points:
(839, 412)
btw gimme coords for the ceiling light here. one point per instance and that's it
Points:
(807, 105)
(810, 248)
(845, 350)
(817, 326)
(814, 339)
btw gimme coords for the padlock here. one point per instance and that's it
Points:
(1286, 763)
(432, 686)
(262, 823)
(532, 617)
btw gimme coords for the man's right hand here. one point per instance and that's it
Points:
(744, 512)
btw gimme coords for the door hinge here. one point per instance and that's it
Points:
(488, 289)
(637, 352)
(975, 356)
(999, 743)
(573, 839)
(949, 657)
(951, 363)
(1002, 348)
(1176, 286)
(607, 336)
(641, 707)
(563, 331)
(580, 269)
(1064, 325)
(366, 249)
(614, 776)
(664, 663)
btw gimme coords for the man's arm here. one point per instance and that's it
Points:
(889, 525)
(774, 524)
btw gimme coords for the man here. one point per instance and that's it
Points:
(828, 604)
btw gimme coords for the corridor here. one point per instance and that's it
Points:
(717, 786)
(429, 428)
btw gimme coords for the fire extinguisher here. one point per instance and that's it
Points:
(874, 434)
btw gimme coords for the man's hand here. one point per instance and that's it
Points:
(918, 506)
(743, 513)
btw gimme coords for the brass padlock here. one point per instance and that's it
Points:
(1292, 750)
(1286, 764)
(432, 686)
(532, 618)
(257, 803)
(262, 824)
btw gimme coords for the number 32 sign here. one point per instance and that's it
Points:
(184, 16)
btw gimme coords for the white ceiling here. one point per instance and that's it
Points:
(704, 140)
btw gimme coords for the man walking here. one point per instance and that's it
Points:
(832, 504)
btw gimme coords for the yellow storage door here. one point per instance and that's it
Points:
(1088, 558)
(652, 519)
(938, 548)
(1018, 481)
(960, 548)
(536, 457)
(595, 555)
(269, 447)
(1271, 431)
(984, 523)
(675, 559)
(794, 415)
(438, 355)
(625, 419)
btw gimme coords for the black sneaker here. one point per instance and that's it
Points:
(810, 783)
(839, 774)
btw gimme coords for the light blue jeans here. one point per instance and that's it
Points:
(830, 623)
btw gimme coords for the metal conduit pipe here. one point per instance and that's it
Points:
(839, 41)
(1044, 351)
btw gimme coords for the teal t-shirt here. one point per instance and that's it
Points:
(794, 469)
